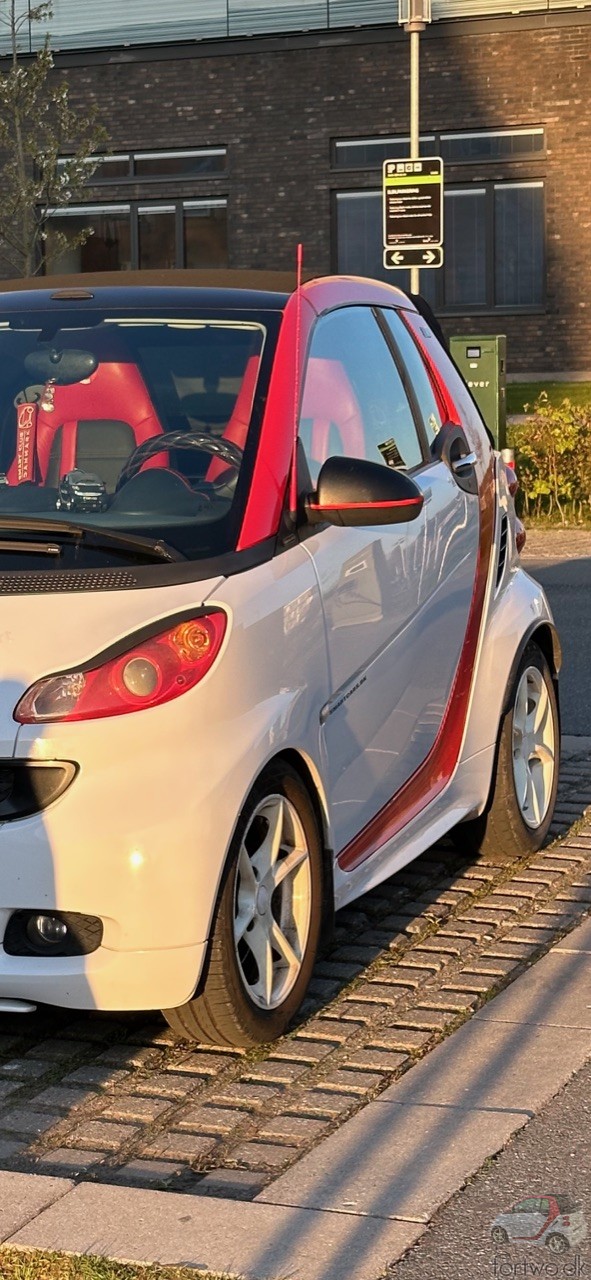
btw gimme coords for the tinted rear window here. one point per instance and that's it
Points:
(566, 1204)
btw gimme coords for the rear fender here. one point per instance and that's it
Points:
(505, 640)
(548, 640)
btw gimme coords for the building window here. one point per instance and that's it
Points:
(465, 248)
(201, 162)
(494, 246)
(359, 234)
(519, 243)
(494, 230)
(109, 168)
(370, 153)
(180, 164)
(205, 233)
(359, 248)
(477, 147)
(491, 144)
(107, 249)
(179, 233)
(156, 236)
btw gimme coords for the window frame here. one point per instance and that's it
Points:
(382, 329)
(135, 208)
(426, 444)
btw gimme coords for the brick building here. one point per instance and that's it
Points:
(239, 129)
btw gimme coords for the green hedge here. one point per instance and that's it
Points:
(553, 459)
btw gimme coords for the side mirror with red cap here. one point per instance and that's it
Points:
(353, 492)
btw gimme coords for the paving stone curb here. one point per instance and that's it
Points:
(357, 1202)
(410, 962)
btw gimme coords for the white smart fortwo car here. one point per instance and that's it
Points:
(264, 636)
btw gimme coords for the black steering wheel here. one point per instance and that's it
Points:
(227, 452)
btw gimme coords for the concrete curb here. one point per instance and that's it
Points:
(365, 1194)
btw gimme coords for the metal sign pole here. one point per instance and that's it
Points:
(414, 125)
(414, 16)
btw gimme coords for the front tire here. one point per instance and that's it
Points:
(519, 811)
(557, 1243)
(499, 1236)
(267, 922)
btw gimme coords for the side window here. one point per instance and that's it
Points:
(353, 400)
(420, 380)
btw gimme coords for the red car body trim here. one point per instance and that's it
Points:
(363, 506)
(553, 1213)
(265, 503)
(433, 775)
(447, 407)
(272, 468)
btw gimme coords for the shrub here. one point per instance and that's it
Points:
(553, 460)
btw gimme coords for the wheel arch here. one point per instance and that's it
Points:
(546, 637)
(313, 786)
(312, 782)
(543, 634)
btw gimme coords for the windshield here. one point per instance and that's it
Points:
(138, 422)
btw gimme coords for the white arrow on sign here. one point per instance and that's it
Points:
(397, 258)
(429, 256)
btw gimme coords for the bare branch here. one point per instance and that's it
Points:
(49, 151)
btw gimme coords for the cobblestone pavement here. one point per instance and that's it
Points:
(116, 1099)
(557, 544)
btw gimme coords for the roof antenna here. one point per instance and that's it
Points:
(293, 487)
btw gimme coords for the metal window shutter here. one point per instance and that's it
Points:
(484, 8)
(78, 24)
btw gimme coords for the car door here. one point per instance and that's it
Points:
(354, 404)
(527, 1219)
(396, 598)
(452, 527)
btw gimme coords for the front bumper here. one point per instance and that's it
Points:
(138, 840)
(107, 979)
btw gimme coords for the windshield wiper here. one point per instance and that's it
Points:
(63, 531)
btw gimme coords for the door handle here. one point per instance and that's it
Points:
(452, 447)
(468, 460)
(427, 495)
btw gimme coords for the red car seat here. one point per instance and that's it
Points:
(237, 428)
(93, 425)
(331, 406)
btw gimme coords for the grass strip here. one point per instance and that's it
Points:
(33, 1264)
(520, 394)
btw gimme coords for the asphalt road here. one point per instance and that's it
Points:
(551, 1156)
(567, 583)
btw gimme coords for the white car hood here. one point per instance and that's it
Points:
(47, 632)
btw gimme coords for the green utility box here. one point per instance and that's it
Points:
(483, 363)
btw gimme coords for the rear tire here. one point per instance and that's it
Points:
(267, 922)
(519, 811)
